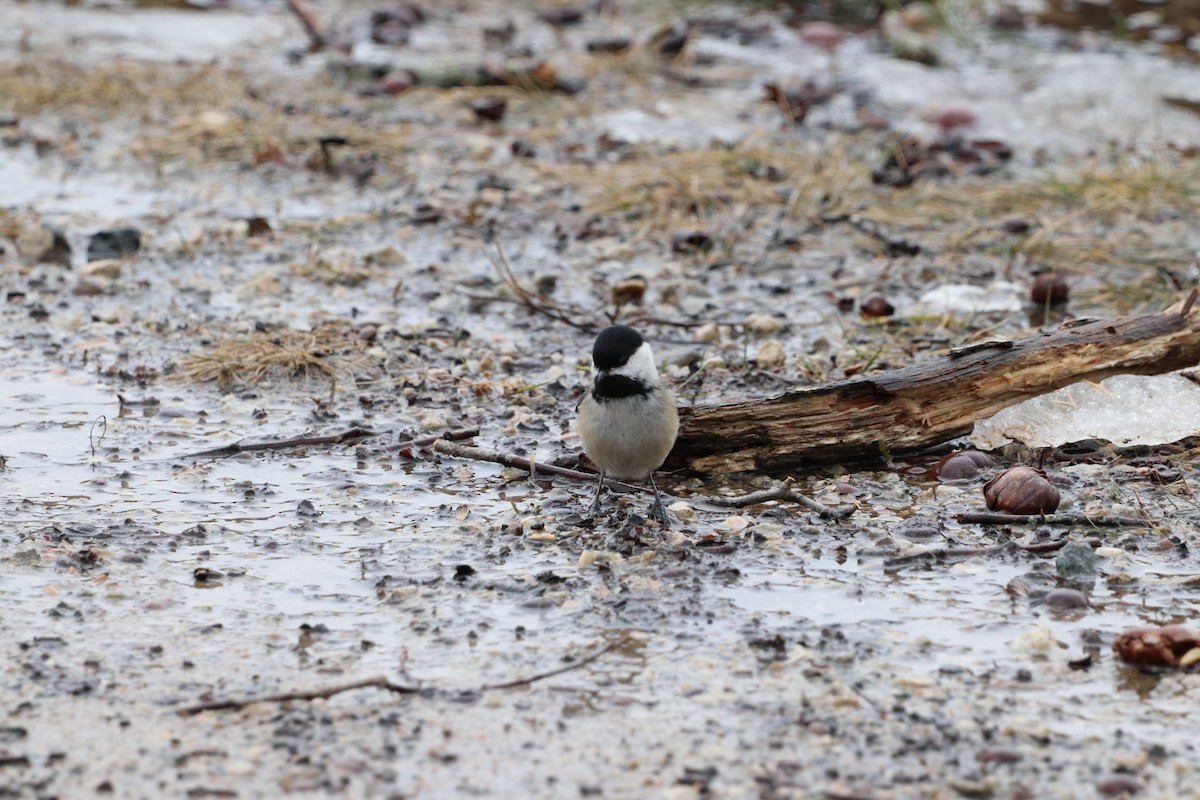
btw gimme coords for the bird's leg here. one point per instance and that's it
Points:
(595, 509)
(658, 512)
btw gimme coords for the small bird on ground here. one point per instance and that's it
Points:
(628, 421)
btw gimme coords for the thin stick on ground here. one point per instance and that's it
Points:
(1190, 301)
(575, 317)
(316, 39)
(969, 552)
(519, 462)
(993, 518)
(344, 437)
(426, 441)
(550, 673)
(782, 493)
(381, 682)
(376, 682)
(894, 245)
(943, 553)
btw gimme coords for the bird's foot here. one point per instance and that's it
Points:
(594, 509)
(658, 513)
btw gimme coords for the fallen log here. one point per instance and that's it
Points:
(922, 405)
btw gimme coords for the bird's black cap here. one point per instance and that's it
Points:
(614, 346)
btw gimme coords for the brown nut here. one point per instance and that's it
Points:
(1021, 490)
(1066, 598)
(1144, 647)
(628, 291)
(961, 465)
(876, 306)
(1179, 638)
(1049, 288)
(490, 109)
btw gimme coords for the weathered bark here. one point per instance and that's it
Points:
(922, 405)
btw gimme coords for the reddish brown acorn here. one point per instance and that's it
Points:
(962, 465)
(1049, 287)
(1021, 490)
(1171, 646)
(876, 306)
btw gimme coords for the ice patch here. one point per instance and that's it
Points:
(1125, 410)
(957, 298)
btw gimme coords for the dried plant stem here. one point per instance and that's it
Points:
(381, 682)
(783, 492)
(344, 437)
(993, 518)
(376, 682)
(968, 552)
(283, 444)
(316, 39)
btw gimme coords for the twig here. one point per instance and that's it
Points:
(381, 682)
(426, 441)
(847, 793)
(895, 245)
(967, 552)
(550, 673)
(646, 319)
(350, 435)
(782, 492)
(786, 493)
(283, 444)
(992, 518)
(944, 552)
(519, 462)
(535, 302)
(1189, 302)
(1050, 547)
(92, 441)
(316, 39)
(570, 315)
(377, 682)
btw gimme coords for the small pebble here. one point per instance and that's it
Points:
(997, 755)
(708, 332)
(770, 355)
(877, 306)
(1066, 598)
(762, 324)
(1118, 785)
(1076, 561)
(682, 510)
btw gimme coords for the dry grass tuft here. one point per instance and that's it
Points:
(324, 353)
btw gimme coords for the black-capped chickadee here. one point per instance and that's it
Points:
(628, 421)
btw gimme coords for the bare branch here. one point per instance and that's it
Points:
(993, 518)
(381, 682)
(783, 492)
(344, 437)
(376, 682)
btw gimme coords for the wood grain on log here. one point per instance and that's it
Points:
(925, 404)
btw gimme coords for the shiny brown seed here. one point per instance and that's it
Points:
(1179, 638)
(962, 465)
(1049, 288)
(1021, 490)
(1118, 786)
(1066, 598)
(952, 118)
(1144, 647)
(876, 305)
(490, 109)
(630, 290)
(824, 35)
